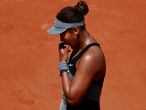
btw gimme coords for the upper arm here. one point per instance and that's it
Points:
(87, 68)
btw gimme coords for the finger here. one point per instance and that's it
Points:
(68, 50)
(61, 46)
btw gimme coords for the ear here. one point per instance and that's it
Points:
(76, 31)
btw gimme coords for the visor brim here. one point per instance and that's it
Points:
(56, 30)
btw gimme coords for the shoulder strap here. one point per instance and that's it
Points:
(74, 60)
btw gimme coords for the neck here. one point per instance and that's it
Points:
(85, 39)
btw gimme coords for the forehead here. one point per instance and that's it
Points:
(67, 31)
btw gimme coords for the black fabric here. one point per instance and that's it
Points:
(72, 61)
(85, 104)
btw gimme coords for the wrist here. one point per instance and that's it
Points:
(63, 67)
(63, 72)
(60, 60)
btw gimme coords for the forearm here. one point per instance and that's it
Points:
(66, 83)
(72, 98)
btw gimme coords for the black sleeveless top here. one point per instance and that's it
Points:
(72, 69)
(72, 61)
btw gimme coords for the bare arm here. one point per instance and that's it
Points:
(87, 68)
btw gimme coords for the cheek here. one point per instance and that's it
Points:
(68, 37)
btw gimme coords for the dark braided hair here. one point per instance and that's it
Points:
(73, 14)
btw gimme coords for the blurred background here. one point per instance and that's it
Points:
(29, 55)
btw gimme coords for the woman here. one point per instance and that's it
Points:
(82, 74)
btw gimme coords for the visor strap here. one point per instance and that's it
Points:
(60, 24)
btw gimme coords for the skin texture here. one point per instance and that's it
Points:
(90, 67)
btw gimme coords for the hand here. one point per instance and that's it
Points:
(63, 52)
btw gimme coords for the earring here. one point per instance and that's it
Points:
(77, 36)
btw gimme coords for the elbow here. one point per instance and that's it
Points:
(74, 102)
(74, 97)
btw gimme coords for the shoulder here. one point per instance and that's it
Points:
(94, 53)
(92, 59)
